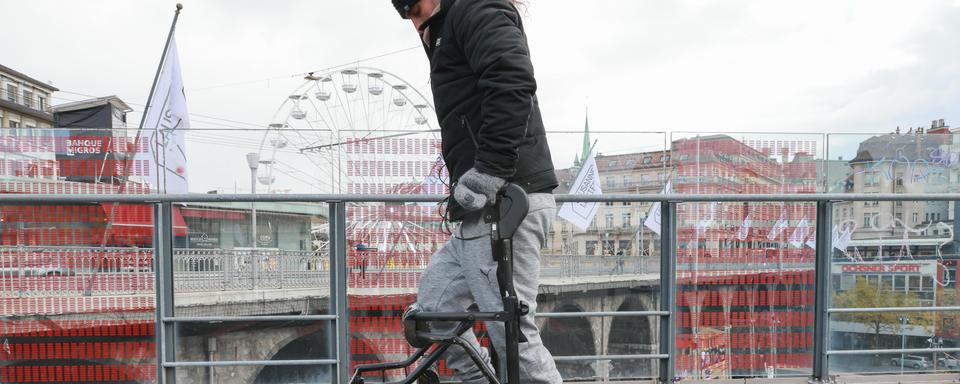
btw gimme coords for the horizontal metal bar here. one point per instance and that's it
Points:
(242, 363)
(890, 351)
(207, 319)
(555, 315)
(460, 316)
(611, 357)
(893, 309)
(327, 198)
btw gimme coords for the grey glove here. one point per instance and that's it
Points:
(476, 189)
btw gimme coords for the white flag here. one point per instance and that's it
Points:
(437, 181)
(706, 223)
(800, 233)
(841, 237)
(654, 214)
(588, 183)
(778, 227)
(164, 128)
(745, 227)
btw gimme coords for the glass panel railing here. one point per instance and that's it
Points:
(895, 253)
(76, 280)
(615, 256)
(745, 270)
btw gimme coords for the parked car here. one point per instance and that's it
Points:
(912, 361)
(948, 363)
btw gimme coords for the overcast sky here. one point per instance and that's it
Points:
(694, 66)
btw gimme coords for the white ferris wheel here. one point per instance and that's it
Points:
(361, 130)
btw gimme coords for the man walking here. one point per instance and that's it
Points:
(492, 133)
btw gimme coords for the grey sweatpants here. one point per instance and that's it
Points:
(463, 272)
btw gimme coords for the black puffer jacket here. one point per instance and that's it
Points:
(485, 95)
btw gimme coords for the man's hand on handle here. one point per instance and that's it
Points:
(475, 190)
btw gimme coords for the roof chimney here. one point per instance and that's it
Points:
(942, 124)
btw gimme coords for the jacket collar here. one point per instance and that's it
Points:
(428, 30)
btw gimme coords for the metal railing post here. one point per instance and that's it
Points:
(339, 333)
(821, 325)
(165, 333)
(668, 287)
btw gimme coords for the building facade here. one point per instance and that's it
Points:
(24, 101)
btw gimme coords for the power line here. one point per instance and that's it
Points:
(142, 105)
(261, 80)
(306, 73)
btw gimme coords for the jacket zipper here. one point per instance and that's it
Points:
(466, 124)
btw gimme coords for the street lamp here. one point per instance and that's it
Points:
(935, 342)
(904, 320)
(253, 161)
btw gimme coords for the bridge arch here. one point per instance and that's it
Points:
(570, 337)
(312, 346)
(631, 335)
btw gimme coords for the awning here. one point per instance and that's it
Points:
(213, 214)
(136, 220)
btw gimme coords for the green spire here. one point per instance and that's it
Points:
(576, 160)
(586, 137)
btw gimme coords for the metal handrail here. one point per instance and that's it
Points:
(559, 315)
(227, 319)
(379, 198)
(893, 309)
(240, 363)
(893, 351)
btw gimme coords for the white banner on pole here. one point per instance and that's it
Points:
(778, 227)
(587, 183)
(164, 128)
(841, 236)
(706, 223)
(800, 233)
(654, 214)
(744, 230)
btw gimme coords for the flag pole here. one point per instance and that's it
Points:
(125, 175)
(153, 87)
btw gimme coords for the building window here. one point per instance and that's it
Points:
(626, 203)
(647, 159)
(916, 218)
(608, 203)
(591, 247)
(871, 179)
(608, 220)
(41, 103)
(627, 182)
(28, 98)
(626, 220)
(611, 182)
(866, 220)
(12, 93)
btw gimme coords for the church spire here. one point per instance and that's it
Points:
(586, 136)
